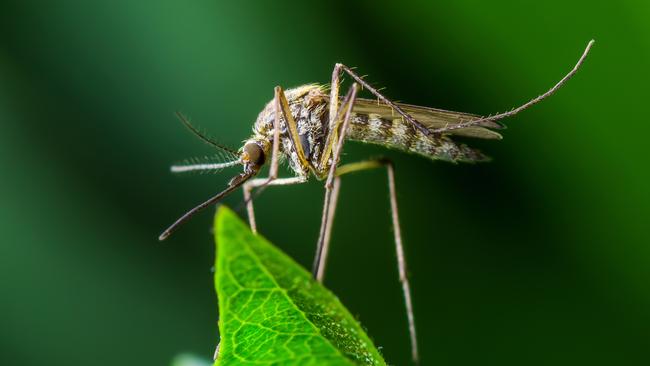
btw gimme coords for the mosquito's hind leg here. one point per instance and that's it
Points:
(399, 247)
(340, 67)
(524, 106)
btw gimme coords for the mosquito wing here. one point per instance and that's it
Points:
(431, 118)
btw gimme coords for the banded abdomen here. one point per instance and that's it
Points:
(378, 124)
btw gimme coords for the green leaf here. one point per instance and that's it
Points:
(271, 310)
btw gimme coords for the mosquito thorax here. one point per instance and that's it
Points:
(308, 106)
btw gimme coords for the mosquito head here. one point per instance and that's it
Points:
(253, 156)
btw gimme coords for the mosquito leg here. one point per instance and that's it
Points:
(254, 183)
(401, 262)
(475, 122)
(264, 182)
(526, 105)
(273, 170)
(333, 134)
(336, 155)
(292, 128)
(334, 95)
(250, 210)
(399, 246)
(338, 145)
(281, 110)
(376, 93)
(320, 273)
(275, 152)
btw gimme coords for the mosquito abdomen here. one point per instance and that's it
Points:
(398, 134)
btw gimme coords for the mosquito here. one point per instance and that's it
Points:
(308, 127)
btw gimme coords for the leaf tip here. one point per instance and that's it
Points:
(223, 212)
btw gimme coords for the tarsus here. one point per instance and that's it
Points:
(523, 106)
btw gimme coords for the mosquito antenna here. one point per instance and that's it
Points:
(215, 163)
(234, 184)
(184, 168)
(203, 136)
(527, 105)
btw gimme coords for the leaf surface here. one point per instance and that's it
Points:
(271, 310)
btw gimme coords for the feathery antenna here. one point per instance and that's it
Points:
(202, 167)
(203, 136)
(206, 164)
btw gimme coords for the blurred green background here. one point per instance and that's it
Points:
(538, 258)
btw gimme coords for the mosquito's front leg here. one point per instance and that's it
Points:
(524, 106)
(263, 182)
(275, 150)
(281, 110)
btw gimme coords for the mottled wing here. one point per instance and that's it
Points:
(432, 118)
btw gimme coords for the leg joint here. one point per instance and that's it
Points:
(386, 162)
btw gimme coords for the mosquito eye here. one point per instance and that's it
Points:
(255, 153)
